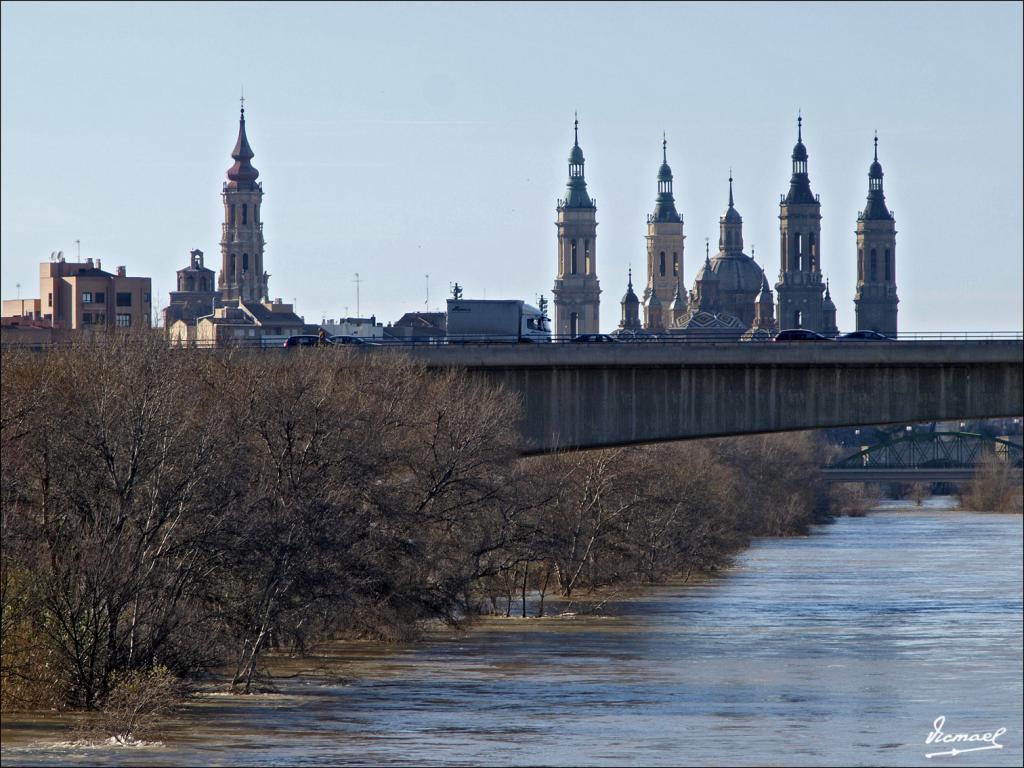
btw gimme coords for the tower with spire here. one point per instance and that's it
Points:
(876, 300)
(630, 308)
(241, 246)
(800, 285)
(739, 277)
(664, 243)
(577, 291)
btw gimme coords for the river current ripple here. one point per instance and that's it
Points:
(837, 649)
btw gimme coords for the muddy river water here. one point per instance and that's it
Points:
(842, 648)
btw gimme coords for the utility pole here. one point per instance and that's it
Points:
(357, 281)
(427, 302)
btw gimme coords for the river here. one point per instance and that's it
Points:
(841, 648)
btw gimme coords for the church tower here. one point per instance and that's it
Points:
(664, 242)
(800, 287)
(876, 298)
(241, 246)
(577, 292)
(630, 308)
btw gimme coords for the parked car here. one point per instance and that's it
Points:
(864, 336)
(594, 338)
(800, 334)
(301, 341)
(353, 340)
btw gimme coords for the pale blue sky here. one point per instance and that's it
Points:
(397, 140)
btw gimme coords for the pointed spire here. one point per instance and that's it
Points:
(730, 188)
(707, 251)
(799, 125)
(876, 145)
(664, 148)
(631, 277)
(576, 190)
(242, 174)
(827, 294)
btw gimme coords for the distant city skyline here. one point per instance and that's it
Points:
(399, 140)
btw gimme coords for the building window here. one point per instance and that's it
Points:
(814, 251)
(124, 300)
(49, 299)
(661, 264)
(245, 213)
(860, 265)
(888, 264)
(124, 321)
(572, 264)
(574, 324)
(874, 265)
(86, 297)
(232, 217)
(675, 264)
(99, 297)
(145, 298)
(798, 319)
(87, 318)
(245, 262)
(586, 257)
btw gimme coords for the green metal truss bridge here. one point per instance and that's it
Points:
(924, 457)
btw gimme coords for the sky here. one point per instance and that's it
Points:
(401, 140)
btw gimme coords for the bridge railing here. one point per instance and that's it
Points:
(702, 337)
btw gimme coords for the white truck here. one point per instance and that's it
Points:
(509, 320)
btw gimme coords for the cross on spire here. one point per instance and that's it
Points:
(730, 187)
(664, 148)
(241, 100)
(876, 145)
(576, 129)
(799, 124)
(630, 277)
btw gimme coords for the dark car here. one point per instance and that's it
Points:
(301, 341)
(800, 334)
(594, 338)
(353, 340)
(864, 336)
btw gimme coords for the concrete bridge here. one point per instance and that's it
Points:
(601, 395)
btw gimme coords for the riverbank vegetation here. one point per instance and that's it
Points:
(183, 511)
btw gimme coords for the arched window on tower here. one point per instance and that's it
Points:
(797, 251)
(574, 324)
(245, 262)
(798, 319)
(888, 265)
(860, 265)
(232, 265)
(245, 213)
(231, 218)
(661, 264)
(874, 265)
(813, 247)
(675, 264)
(785, 252)
(573, 265)
(587, 267)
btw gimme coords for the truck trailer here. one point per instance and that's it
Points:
(507, 320)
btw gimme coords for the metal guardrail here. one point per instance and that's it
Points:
(704, 337)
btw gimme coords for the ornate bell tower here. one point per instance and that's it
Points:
(664, 242)
(876, 298)
(577, 292)
(800, 287)
(241, 245)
